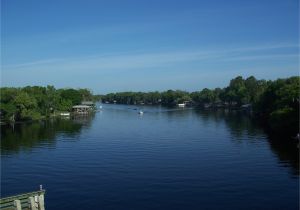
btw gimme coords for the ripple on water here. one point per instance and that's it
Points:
(167, 159)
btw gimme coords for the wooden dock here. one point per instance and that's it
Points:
(32, 200)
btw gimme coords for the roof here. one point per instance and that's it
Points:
(80, 106)
(87, 103)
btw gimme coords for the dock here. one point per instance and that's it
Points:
(32, 200)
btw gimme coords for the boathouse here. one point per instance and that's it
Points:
(81, 109)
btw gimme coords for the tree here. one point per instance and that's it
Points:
(279, 105)
(237, 92)
(26, 106)
(207, 96)
(254, 88)
(86, 94)
(71, 94)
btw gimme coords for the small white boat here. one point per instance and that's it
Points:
(181, 105)
(141, 112)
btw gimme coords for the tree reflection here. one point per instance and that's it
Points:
(286, 151)
(25, 136)
(242, 127)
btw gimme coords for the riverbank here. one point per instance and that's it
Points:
(274, 102)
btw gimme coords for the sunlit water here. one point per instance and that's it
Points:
(163, 159)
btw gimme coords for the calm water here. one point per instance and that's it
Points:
(165, 159)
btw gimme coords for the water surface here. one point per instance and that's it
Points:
(164, 159)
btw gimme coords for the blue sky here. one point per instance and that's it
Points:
(145, 45)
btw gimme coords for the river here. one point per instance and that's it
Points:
(164, 159)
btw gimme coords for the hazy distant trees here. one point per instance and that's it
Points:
(239, 91)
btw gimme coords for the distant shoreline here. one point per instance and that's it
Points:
(275, 103)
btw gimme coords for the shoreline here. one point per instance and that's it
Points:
(249, 113)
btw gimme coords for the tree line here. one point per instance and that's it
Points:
(240, 91)
(275, 102)
(35, 102)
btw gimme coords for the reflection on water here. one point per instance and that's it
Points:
(164, 159)
(238, 124)
(25, 136)
(241, 125)
(287, 152)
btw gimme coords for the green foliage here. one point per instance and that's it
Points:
(24, 101)
(171, 97)
(35, 102)
(8, 111)
(183, 99)
(86, 95)
(275, 101)
(64, 105)
(237, 91)
(279, 105)
(30, 114)
(97, 98)
(283, 119)
(207, 96)
(71, 94)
